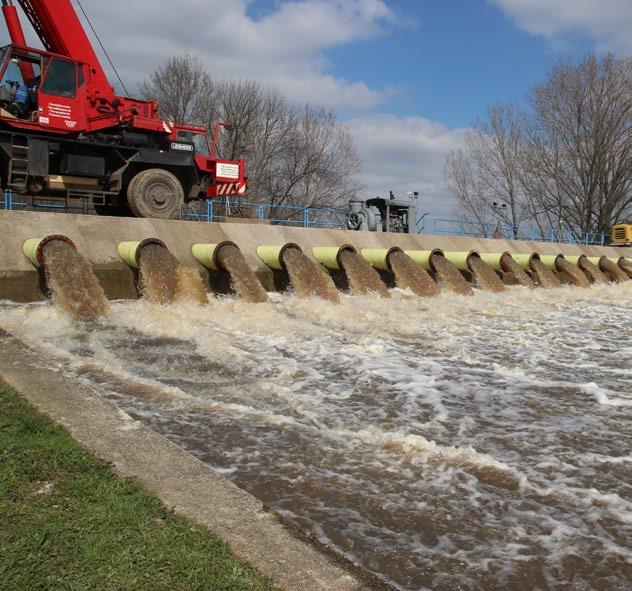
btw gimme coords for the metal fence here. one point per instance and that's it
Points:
(217, 210)
(523, 232)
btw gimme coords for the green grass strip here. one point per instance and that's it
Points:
(68, 522)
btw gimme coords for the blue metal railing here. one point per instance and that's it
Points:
(290, 215)
(216, 210)
(523, 232)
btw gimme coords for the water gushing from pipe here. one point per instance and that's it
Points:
(485, 277)
(546, 278)
(362, 277)
(449, 276)
(72, 283)
(307, 277)
(409, 275)
(574, 274)
(244, 281)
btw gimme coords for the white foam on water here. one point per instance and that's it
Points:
(480, 442)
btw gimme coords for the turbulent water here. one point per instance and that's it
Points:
(509, 265)
(613, 271)
(574, 274)
(485, 277)
(592, 271)
(164, 281)
(72, 283)
(308, 278)
(362, 277)
(242, 277)
(546, 277)
(449, 276)
(409, 275)
(453, 443)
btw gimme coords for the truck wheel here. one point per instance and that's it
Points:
(155, 193)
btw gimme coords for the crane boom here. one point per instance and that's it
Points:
(60, 31)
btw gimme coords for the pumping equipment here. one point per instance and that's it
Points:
(382, 215)
(33, 248)
(65, 132)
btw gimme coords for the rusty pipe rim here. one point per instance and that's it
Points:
(41, 259)
(219, 246)
(434, 252)
(147, 242)
(343, 248)
(287, 246)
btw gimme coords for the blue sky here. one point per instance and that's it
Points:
(408, 77)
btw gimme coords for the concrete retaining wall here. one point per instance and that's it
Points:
(97, 238)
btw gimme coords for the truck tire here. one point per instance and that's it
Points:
(155, 193)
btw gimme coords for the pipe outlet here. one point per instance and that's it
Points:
(422, 257)
(494, 259)
(550, 260)
(206, 254)
(130, 251)
(378, 257)
(33, 248)
(461, 259)
(329, 256)
(272, 255)
(524, 260)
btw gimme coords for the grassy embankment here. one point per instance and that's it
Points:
(68, 522)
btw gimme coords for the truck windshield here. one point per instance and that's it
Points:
(198, 139)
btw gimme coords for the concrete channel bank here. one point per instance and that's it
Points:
(97, 238)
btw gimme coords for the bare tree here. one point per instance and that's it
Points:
(578, 161)
(488, 172)
(183, 89)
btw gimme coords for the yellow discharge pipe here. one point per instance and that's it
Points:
(272, 254)
(461, 259)
(595, 260)
(329, 256)
(33, 248)
(129, 251)
(378, 257)
(524, 260)
(423, 257)
(494, 259)
(550, 260)
(206, 254)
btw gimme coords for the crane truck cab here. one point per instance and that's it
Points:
(65, 133)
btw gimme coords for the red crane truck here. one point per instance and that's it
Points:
(65, 133)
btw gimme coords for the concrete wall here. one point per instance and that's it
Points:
(97, 238)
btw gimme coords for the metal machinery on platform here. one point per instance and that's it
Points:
(383, 215)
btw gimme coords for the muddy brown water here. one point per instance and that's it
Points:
(486, 278)
(446, 445)
(243, 278)
(627, 268)
(613, 270)
(164, 281)
(574, 274)
(546, 277)
(509, 265)
(72, 283)
(409, 275)
(362, 277)
(308, 278)
(592, 271)
(449, 276)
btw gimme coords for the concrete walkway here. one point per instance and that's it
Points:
(179, 480)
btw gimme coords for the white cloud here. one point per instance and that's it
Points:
(283, 48)
(607, 22)
(406, 154)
